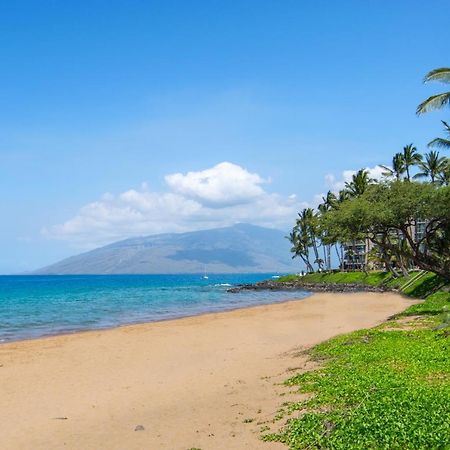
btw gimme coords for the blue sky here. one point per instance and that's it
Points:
(103, 102)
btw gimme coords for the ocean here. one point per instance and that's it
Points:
(36, 306)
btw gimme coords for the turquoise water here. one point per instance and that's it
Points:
(35, 306)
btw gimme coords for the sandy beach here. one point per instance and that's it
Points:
(209, 382)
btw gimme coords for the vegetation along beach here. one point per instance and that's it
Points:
(225, 226)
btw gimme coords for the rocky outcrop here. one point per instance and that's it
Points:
(313, 287)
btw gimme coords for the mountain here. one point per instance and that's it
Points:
(237, 249)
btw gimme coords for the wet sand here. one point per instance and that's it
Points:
(209, 382)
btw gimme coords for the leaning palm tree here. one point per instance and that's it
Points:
(437, 101)
(358, 185)
(411, 157)
(442, 142)
(398, 167)
(300, 247)
(432, 166)
(309, 220)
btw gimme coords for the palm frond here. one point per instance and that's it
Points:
(388, 172)
(434, 102)
(442, 74)
(440, 143)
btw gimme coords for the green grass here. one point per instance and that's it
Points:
(433, 305)
(427, 284)
(384, 388)
(372, 278)
(419, 288)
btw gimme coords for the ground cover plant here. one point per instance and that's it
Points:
(384, 388)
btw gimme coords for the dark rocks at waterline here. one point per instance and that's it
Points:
(301, 286)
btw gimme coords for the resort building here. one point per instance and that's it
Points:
(356, 253)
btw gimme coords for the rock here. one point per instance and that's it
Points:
(139, 428)
(302, 286)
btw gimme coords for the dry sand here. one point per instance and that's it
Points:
(208, 382)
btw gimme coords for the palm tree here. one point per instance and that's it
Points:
(330, 201)
(443, 178)
(439, 100)
(300, 247)
(411, 157)
(432, 166)
(441, 142)
(343, 195)
(359, 183)
(309, 221)
(398, 167)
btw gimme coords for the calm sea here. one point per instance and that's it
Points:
(35, 306)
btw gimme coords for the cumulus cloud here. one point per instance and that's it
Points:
(218, 196)
(225, 184)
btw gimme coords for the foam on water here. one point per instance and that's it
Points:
(35, 306)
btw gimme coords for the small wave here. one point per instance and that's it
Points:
(223, 284)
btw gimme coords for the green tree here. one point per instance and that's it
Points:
(387, 214)
(443, 178)
(330, 201)
(398, 167)
(343, 195)
(358, 185)
(300, 247)
(411, 157)
(309, 220)
(305, 236)
(431, 166)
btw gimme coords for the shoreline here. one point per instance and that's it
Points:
(145, 322)
(205, 381)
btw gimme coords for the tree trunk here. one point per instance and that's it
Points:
(341, 262)
(316, 252)
(324, 248)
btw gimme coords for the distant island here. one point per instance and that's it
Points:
(241, 248)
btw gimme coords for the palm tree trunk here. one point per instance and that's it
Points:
(309, 267)
(316, 252)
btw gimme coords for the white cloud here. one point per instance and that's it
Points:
(225, 184)
(219, 196)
